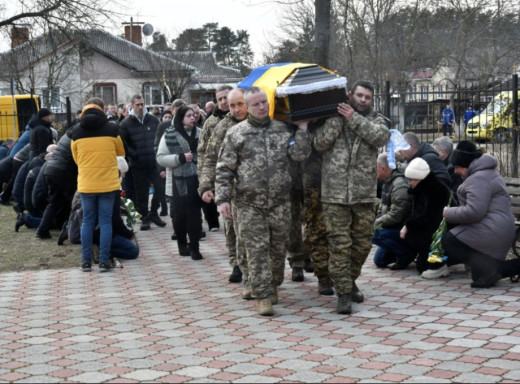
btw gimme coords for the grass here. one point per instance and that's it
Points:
(22, 251)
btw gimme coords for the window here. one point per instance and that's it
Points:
(106, 92)
(153, 95)
(51, 98)
(424, 92)
(438, 91)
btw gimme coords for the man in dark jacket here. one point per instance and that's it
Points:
(61, 175)
(138, 132)
(428, 154)
(41, 135)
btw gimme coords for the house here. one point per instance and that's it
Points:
(87, 63)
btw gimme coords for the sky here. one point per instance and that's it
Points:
(259, 17)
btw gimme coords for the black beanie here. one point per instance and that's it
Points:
(44, 112)
(465, 153)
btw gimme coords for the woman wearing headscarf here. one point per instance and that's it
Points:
(484, 226)
(177, 151)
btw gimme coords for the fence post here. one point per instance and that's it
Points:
(387, 101)
(514, 155)
(69, 117)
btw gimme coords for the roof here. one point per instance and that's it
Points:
(208, 70)
(116, 48)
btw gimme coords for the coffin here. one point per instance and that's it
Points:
(299, 91)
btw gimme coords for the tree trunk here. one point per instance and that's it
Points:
(322, 28)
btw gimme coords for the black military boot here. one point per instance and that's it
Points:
(64, 235)
(297, 274)
(345, 304)
(154, 218)
(236, 275)
(356, 294)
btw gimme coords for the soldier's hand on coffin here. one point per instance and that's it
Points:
(302, 124)
(345, 110)
(225, 210)
(207, 196)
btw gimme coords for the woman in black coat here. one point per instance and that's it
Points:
(429, 197)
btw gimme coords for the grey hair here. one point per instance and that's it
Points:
(445, 143)
(382, 159)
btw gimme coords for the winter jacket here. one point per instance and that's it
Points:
(4, 151)
(40, 192)
(207, 171)
(139, 137)
(23, 140)
(205, 137)
(396, 204)
(350, 151)
(431, 156)
(40, 137)
(429, 198)
(447, 116)
(61, 164)
(484, 217)
(176, 170)
(95, 146)
(253, 166)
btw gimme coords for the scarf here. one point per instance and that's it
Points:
(180, 142)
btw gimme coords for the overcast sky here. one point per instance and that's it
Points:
(259, 18)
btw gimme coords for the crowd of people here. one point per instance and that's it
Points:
(265, 178)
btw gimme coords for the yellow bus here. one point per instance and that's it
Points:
(15, 113)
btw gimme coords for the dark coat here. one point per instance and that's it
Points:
(139, 139)
(40, 137)
(484, 212)
(61, 164)
(429, 198)
(430, 155)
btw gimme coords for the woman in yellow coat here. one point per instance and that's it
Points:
(95, 146)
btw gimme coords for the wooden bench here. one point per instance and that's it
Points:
(513, 188)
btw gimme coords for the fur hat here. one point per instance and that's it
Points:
(465, 153)
(418, 169)
(44, 112)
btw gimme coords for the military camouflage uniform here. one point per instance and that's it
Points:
(348, 191)
(207, 130)
(253, 169)
(295, 250)
(207, 183)
(315, 233)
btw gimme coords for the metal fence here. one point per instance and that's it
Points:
(495, 129)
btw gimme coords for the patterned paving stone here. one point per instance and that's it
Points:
(168, 319)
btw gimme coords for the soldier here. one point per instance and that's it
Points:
(253, 169)
(237, 113)
(221, 110)
(315, 234)
(348, 188)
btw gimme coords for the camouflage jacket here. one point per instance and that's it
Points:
(207, 130)
(311, 167)
(253, 165)
(396, 203)
(207, 174)
(349, 158)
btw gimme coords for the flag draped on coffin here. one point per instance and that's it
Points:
(281, 80)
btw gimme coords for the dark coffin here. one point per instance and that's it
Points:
(310, 92)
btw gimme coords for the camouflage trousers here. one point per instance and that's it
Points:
(350, 229)
(263, 233)
(315, 233)
(295, 250)
(233, 242)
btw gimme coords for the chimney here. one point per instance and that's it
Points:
(19, 35)
(133, 32)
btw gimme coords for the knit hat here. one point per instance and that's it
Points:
(44, 112)
(465, 153)
(418, 169)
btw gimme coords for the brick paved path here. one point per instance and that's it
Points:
(163, 318)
